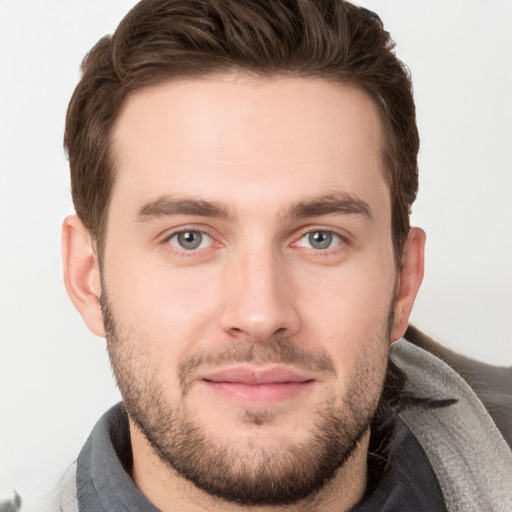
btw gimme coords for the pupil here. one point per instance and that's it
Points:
(189, 239)
(320, 240)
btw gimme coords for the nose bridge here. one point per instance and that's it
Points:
(258, 300)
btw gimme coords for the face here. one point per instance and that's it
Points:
(248, 279)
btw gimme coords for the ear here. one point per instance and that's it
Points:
(409, 281)
(82, 273)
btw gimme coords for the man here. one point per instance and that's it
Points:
(242, 173)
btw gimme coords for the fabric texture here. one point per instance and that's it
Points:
(468, 453)
(445, 452)
(406, 480)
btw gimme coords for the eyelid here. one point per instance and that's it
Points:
(167, 234)
(209, 240)
(178, 251)
(344, 238)
(214, 238)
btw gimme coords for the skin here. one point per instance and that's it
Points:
(268, 152)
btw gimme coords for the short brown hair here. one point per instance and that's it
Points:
(163, 39)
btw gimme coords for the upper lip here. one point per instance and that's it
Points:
(254, 375)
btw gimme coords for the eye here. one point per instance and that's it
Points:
(190, 240)
(320, 240)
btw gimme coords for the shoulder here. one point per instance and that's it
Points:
(492, 384)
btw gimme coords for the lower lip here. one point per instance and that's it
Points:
(258, 394)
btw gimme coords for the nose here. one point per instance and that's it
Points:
(259, 298)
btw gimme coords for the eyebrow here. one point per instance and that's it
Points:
(339, 202)
(167, 206)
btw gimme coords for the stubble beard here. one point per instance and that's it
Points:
(250, 475)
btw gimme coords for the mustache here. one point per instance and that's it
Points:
(279, 351)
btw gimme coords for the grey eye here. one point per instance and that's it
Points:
(190, 240)
(320, 240)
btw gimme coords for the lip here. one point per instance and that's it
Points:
(257, 386)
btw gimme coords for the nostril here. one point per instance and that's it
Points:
(236, 331)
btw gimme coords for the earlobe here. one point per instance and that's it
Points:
(81, 272)
(409, 281)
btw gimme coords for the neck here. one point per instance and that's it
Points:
(168, 491)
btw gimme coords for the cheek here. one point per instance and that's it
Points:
(169, 307)
(350, 307)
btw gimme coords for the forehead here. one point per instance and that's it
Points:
(275, 139)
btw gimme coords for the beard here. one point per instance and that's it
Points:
(252, 474)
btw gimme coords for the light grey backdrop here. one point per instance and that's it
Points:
(54, 377)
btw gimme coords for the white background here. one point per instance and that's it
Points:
(54, 376)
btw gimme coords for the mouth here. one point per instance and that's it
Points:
(256, 386)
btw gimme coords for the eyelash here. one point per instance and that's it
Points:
(187, 252)
(295, 243)
(328, 250)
